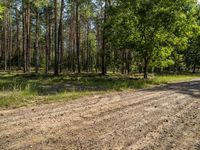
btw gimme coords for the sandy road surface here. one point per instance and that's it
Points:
(160, 118)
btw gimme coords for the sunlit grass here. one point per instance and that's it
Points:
(30, 89)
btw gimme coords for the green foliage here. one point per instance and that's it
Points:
(137, 35)
(154, 29)
(40, 3)
(2, 8)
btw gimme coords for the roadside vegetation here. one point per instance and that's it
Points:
(17, 90)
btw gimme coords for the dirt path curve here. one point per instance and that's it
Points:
(164, 118)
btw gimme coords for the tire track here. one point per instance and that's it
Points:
(156, 118)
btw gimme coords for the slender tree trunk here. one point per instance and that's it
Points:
(103, 57)
(24, 37)
(77, 36)
(47, 43)
(74, 40)
(69, 60)
(5, 44)
(10, 43)
(48, 38)
(56, 72)
(28, 52)
(103, 69)
(146, 69)
(60, 37)
(129, 62)
(37, 43)
(73, 54)
(98, 43)
(123, 53)
(1, 44)
(87, 47)
(17, 41)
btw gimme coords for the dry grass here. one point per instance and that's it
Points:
(17, 90)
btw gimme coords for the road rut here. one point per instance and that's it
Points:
(165, 117)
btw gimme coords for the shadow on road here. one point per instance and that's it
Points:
(191, 88)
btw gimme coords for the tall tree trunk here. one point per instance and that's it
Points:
(17, 41)
(28, 52)
(77, 36)
(103, 55)
(98, 43)
(74, 36)
(5, 43)
(9, 44)
(37, 43)
(69, 60)
(1, 44)
(73, 54)
(60, 37)
(56, 72)
(24, 37)
(47, 43)
(48, 39)
(87, 47)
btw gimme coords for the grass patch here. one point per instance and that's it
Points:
(17, 90)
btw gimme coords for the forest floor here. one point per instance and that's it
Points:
(21, 90)
(163, 117)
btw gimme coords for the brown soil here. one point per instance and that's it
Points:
(166, 118)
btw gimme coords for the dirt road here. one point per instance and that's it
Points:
(164, 118)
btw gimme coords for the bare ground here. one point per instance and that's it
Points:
(166, 118)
